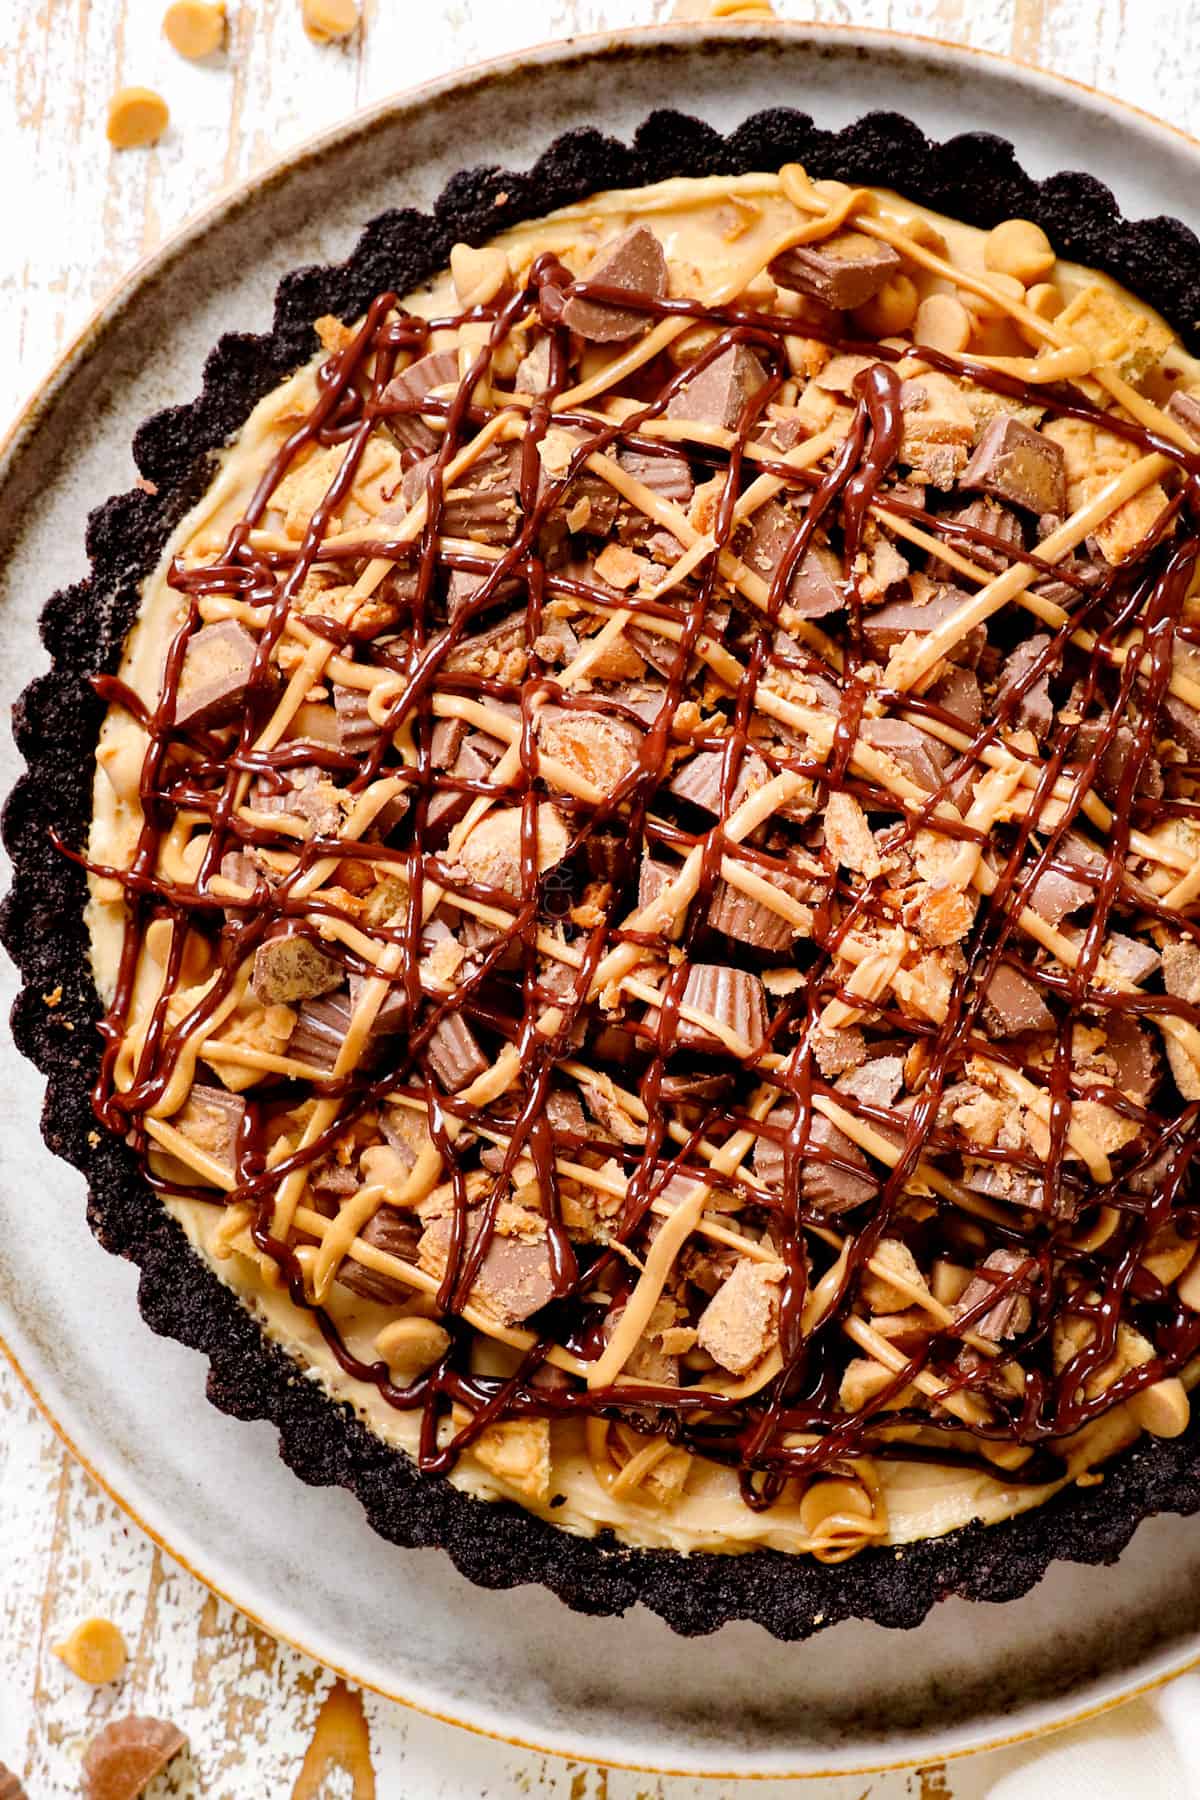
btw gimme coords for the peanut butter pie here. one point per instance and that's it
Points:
(642, 882)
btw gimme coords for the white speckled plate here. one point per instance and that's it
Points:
(302, 1561)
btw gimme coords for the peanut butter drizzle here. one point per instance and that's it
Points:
(755, 1434)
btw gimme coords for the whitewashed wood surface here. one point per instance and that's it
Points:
(74, 217)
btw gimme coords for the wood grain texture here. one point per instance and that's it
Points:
(74, 216)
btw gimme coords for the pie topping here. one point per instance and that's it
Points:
(656, 857)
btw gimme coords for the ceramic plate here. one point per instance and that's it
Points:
(303, 1561)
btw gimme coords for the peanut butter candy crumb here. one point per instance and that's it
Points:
(327, 21)
(136, 116)
(195, 28)
(95, 1651)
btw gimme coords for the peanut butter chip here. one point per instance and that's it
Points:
(892, 309)
(943, 323)
(411, 1345)
(136, 116)
(195, 27)
(327, 21)
(123, 1760)
(95, 1651)
(1019, 247)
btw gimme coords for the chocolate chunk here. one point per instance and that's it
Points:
(815, 588)
(556, 643)
(357, 731)
(707, 1265)
(483, 503)
(700, 780)
(122, 1760)
(212, 1119)
(438, 369)
(215, 675)
(1186, 408)
(653, 877)
(678, 1088)
(395, 1233)
(1110, 770)
(533, 370)
(306, 794)
(646, 1361)
(830, 1181)
(464, 755)
(1182, 724)
(1001, 1181)
(445, 742)
(842, 271)
(838, 1048)
(1054, 895)
(779, 431)
(462, 585)
(1131, 957)
(732, 997)
(242, 870)
(921, 757)
(587, 503)
(669, 475)
(749, 921)
(333, 1181)
(292, 968)
(407, 1131)
(477, 757)
(391, 1015)
(741, 1321)
(617, 1123)
(498, 654)
(1020, 466)
(717, 394)
(514, 1279)
(618, 1045)
(10, 1787)
(642, 698)
(877, 1082)
(453, 1054)
(957, 693)
(1010, 1314)
(1034, 711)
(662, 654)
(565, 1113)
(1013, 1004)
(314, 722)
(891, 623)
(825, 1184)
(997, 522)
(1134, 1055)
(1058, 892)
(321, 1027)
(634, 262)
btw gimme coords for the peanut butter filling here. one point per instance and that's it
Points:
(933, 1156)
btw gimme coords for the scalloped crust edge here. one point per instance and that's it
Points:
(975, 177)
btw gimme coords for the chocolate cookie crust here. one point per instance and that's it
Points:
(975, 178)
